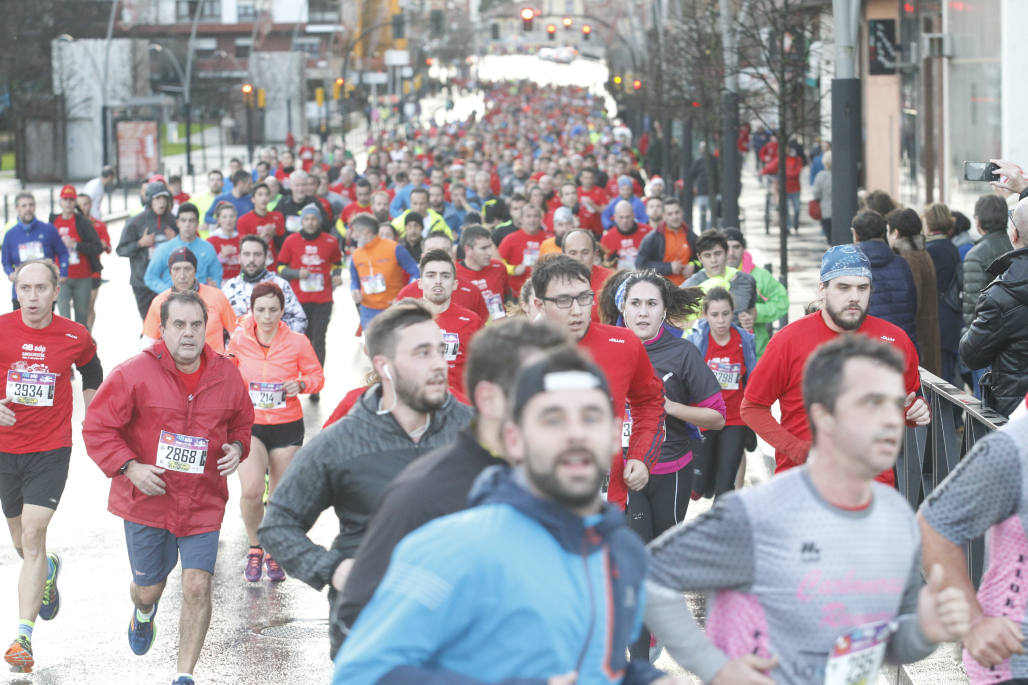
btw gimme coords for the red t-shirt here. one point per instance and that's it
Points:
(228, 253)
(588, 219)
(521, 248)
(191, 380)
(78, 265)
(729, 368)
(624, 247)
(492, 281)
(467, 295)
(43, 416)
(353, 209)
(348, 193)
(458, 325)
(319, 255)
(779, 375)
(105, 238)
(599, 276)
(251, 222)
(345, 405)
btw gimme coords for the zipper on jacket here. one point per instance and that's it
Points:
(592, 602)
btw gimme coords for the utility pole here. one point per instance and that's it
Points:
(845, 119)
(186, 101)
(731, 159)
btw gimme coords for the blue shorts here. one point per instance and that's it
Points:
(153, 552)
(367, 314)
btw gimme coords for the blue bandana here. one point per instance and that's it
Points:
(844, 260)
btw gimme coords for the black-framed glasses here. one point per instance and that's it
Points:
(584, 298)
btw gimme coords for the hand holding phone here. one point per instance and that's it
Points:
(980, 171)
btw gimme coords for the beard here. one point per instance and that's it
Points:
(836, 315)
(548, 483)
(420, 399)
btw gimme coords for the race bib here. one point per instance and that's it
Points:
(181, 453)
(626, 432)
(727, 375)
(33, 249)
(73, 256)
(373, 284)
(267, 395)
(293, 223)
(531, 256)
(627, 258)
(857, 656)
(451, 346)
(314, 283)
(494, 303)
(32, 389)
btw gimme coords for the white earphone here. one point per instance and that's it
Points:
(385, 371)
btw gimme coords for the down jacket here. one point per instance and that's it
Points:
(999, 333)
(145, 396)
(991, 247)
(893, 292)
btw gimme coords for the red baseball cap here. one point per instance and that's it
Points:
(69, 191)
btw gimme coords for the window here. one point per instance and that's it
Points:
(185, 9)
(243, 46)
(246, 10)
(311, 46)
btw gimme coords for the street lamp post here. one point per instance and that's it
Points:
(156, 47)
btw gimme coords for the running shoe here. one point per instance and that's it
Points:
(142, 633)
(275, 572)
(656, 647)
(51, 598)
(252, 571)
(182, 680)
(19, 655)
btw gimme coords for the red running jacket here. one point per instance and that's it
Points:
(144, 396)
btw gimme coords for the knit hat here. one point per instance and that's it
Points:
(734, 234)
(624, 180)
(181, 254)
(310, 209)
(844, 260)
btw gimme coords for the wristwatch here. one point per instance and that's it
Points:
(124, 467)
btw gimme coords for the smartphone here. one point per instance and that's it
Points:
(979, 171)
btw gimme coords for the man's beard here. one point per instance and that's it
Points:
(548, 483)
(416, 398)
(844, 324)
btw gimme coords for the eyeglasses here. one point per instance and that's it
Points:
(584, 298)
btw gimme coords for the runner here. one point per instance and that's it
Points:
(84, 250)
(379, 269)
(85, 206)
(520, 249)
(844, 290)
(670, 247)
(31, 239)
(168, 427)
(648, 305)
(581, 246)
(731, 354)
(221, 320)
(815, 576)
(564, 297)
(438, 483)
(712, 250)
(208, 270)
(277, 365)
(621, 242)
(313, 264)
(348, 465)
(427, 622)
(141, 236)
(253, 252)
(266, 223)
(465, 293)
(36, 356)
(480, 269)
(439, 279)
(225, 240)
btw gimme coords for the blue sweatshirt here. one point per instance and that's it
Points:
(513, 591)
(36, 240)
(242, 204)
(208, 268)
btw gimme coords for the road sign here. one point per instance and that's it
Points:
(397, 58)
(375, 77)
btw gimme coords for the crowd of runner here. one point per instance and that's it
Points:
(558, 364)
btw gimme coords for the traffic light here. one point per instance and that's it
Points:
(552, 31)
(567, 22)
(436, 21)
(617, 80)
(247, 91)
(337, 88)
(696, 104)
(319, 96)
(397, 26)
(637, 84)
(527, 14)
(260, 98)
(495, 28)
(586, 31)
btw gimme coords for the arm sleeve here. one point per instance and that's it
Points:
(646, 399)
(107, 418)
(909, 643)
(759, 418)
(772, 298)
(294, 315)
(986, 335)
(89, 240)
(92, 373)
(212, 267)
(62, 253)
(311, 373)
(982, 491)
(607, 217)
(713, 552)
(240, 425)
(651, 256)
(398, 204)
(974, 281)
(407, 262)
(355, 280)
(128, 242)
(156, 277)
(306, 490)
(6, 254)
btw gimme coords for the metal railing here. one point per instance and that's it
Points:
(930, 453)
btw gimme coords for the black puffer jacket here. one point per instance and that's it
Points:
(893, 292)
(999, 332)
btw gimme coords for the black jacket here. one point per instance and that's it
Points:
(435, 485)
(651, 250)
(999, 332)
(89, 243)
(147, 221)
(893, 292)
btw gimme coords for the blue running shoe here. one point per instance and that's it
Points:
(182, 680)
(51, 598)
(141, 633)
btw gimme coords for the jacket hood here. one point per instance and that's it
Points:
(502, 485)
(1011, 272)
(878, 252)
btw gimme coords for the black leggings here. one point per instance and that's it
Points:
(717, 460)
(318, 316)
(656, 508)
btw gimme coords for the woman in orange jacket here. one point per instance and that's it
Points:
(277, 365)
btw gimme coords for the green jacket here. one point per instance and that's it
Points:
(431, 219)
(772, 304)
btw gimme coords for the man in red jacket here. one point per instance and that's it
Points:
(564, 296)
(168, 427)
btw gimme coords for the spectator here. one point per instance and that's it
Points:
(880, 201)
(990, 216)
(97, 187)
(949, 283)
(998, 335)
(905, 237)
(893, 293)
(822, 192)
(793, 169)
(701, 186)
(961, 234)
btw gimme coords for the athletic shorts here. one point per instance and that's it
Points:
(154, 552)
(34, 478)
(279, 435)
(96, 282)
